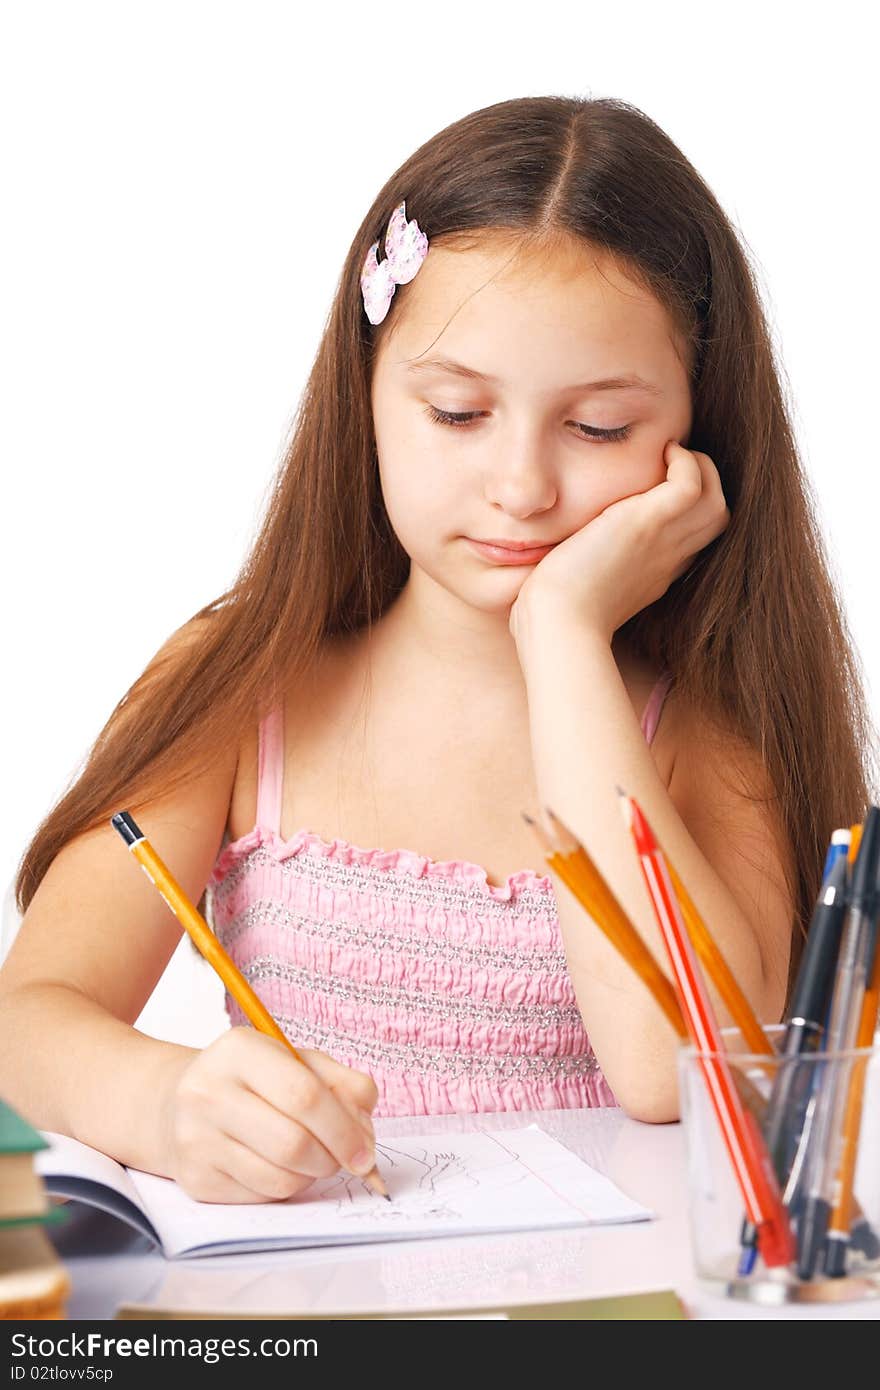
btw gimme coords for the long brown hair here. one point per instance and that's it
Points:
(753, 633)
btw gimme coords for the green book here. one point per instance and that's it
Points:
(663, 1304)
(16, 1135)
(23, 1195)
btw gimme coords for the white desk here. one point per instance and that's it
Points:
(110, 1265)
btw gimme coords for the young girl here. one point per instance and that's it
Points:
(541, 530)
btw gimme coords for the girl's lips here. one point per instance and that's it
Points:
(502, 555)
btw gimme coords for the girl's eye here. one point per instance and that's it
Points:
(458, 420)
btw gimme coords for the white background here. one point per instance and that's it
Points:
(181, 184)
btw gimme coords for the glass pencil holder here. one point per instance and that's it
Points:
(783, 1170)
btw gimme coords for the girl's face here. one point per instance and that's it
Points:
(543, 448)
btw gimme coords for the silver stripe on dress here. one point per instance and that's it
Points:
(415, 1001)
(409, 1057)
(376, 939)
(387, 883)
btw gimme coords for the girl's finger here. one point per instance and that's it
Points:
(711, 491)
(257, 1175)
(213, 1185)
(356, 1090)
(712, 485)
(683, 486)
(284, 1142)
(299, 1093)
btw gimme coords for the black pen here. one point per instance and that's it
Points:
(806, 1024)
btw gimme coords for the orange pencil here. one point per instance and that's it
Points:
(745, 1146)
(567, 857)
(719, 971)
(204, 939)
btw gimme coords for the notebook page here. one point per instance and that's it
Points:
(72, 1169)
(443, 1184)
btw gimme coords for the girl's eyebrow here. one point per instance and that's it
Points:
(628, 382)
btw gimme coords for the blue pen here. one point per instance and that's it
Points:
(840, 843)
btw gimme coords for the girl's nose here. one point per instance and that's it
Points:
(519, 476)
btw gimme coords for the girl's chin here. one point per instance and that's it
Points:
(500, 604)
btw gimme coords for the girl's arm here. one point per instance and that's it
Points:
(586, 738)
(90, 949)
(242, 1120)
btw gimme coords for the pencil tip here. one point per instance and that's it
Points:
(387, 1196)
(619, 790)
(527, 818)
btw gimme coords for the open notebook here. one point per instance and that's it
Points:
(440, 1185)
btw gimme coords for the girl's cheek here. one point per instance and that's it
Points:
(645, 471)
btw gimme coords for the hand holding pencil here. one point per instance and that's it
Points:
(245, 1088)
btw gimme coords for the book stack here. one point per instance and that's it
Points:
(33, 1281)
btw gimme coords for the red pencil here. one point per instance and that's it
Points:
(745, 1145)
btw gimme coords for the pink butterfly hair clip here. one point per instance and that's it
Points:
(405, 249)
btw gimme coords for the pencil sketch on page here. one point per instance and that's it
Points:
(422, 1182)
(439, 1184)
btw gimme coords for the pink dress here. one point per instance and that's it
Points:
(453, 993)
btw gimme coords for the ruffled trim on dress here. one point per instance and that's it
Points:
(399, 861)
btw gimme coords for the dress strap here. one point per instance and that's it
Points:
(270, 770)
(651, 716)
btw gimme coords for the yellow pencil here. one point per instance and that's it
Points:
(204, 939)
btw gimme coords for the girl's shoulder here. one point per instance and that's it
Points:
(686, 733)
(243, 799)
(295, 700)
(656, 705)
(713, 772)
